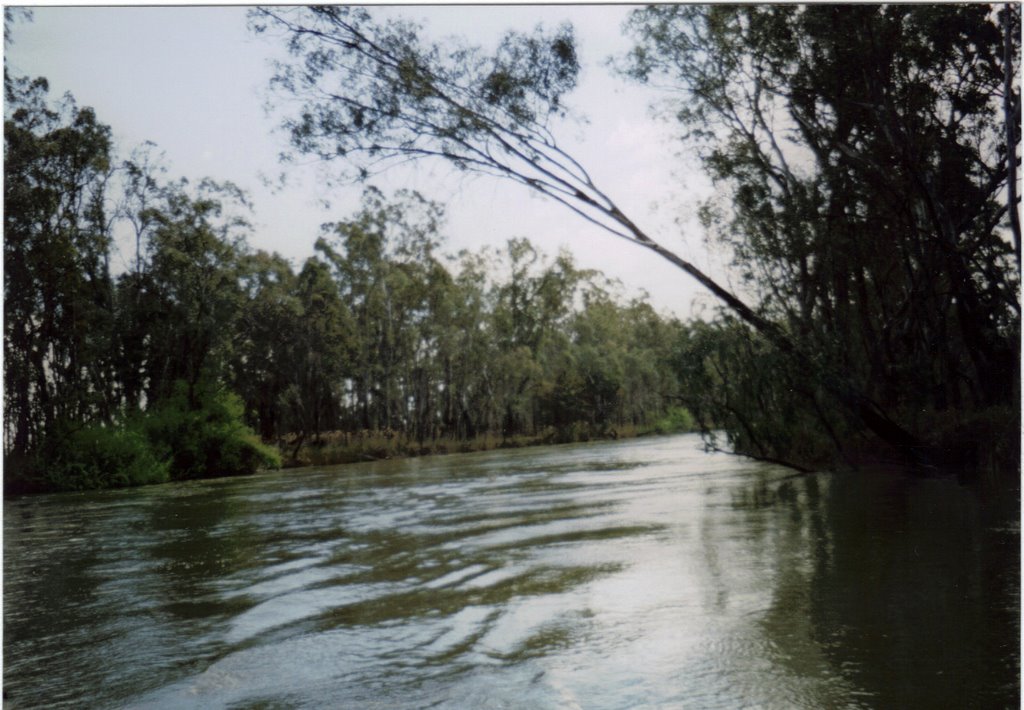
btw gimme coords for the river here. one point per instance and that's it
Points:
(629, 574)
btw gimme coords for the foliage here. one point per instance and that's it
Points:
(190, 286)
(96, 457)
(188, 436)
(866, 157)
(383, 337)
(373, 334)
(402, 100)
(865, 207)
(372, 93)
(676, 420)
(199, 429)
(57, 285)
(736, 383)
(96, 367)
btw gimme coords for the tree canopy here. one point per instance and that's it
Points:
(157, 371)
(866, 163)
(863, 152)
(865, 172)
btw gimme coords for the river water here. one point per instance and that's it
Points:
(631, 574)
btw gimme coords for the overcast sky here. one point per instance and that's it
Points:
(193, 80)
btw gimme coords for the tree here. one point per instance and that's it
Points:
(194, 285)
(57, 284)
(385, 270)
(271, 313)
(319, 347)
(466, 350)
(373, 94)
(111, 384)
(865, 204)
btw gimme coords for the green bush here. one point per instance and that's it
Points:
(98, 457)
(202, 435)
(197, 434)
(676, 420)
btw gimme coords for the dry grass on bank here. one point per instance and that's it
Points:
(338, 447)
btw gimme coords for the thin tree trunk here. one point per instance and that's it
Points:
(1011, 138)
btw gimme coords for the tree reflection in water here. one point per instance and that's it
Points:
(908, 588)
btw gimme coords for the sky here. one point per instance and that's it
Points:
(193, 80)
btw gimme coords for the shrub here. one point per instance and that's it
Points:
(676, 420)
(98, 457)
(197, 434)
(201, 433)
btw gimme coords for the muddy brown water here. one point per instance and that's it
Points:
(629, 574)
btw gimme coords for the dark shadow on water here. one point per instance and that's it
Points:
(908, 587)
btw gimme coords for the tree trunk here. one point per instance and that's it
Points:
(1010, 116)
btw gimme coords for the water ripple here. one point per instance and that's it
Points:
(620, 574)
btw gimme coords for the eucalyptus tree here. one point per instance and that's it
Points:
(649, 384)
(141, 188)
(622, 366)
(531, 313)
(867, 187)
(194, 286)
(599, 347)
(433, 291)
(372, 94)
(270, 313)
(734, 383)
(316, 353)
(466, 352)
(384, 265)
(58, 309)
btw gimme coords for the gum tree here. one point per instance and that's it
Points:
(866, 163)
(374, 94)
(57, 283)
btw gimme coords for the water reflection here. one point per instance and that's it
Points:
(905, 587)
(56, 593)
(614, 575)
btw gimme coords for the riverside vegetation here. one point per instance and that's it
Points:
(207, 358)
(872, 216)
(364, 445)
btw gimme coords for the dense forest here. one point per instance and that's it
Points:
(379, 343)
(866, 165)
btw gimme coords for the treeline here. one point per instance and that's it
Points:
(379, 333)
(867, 160)
(145, 341)
(866, 165)
(113, 380)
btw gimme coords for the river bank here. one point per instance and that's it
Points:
(343, 447)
